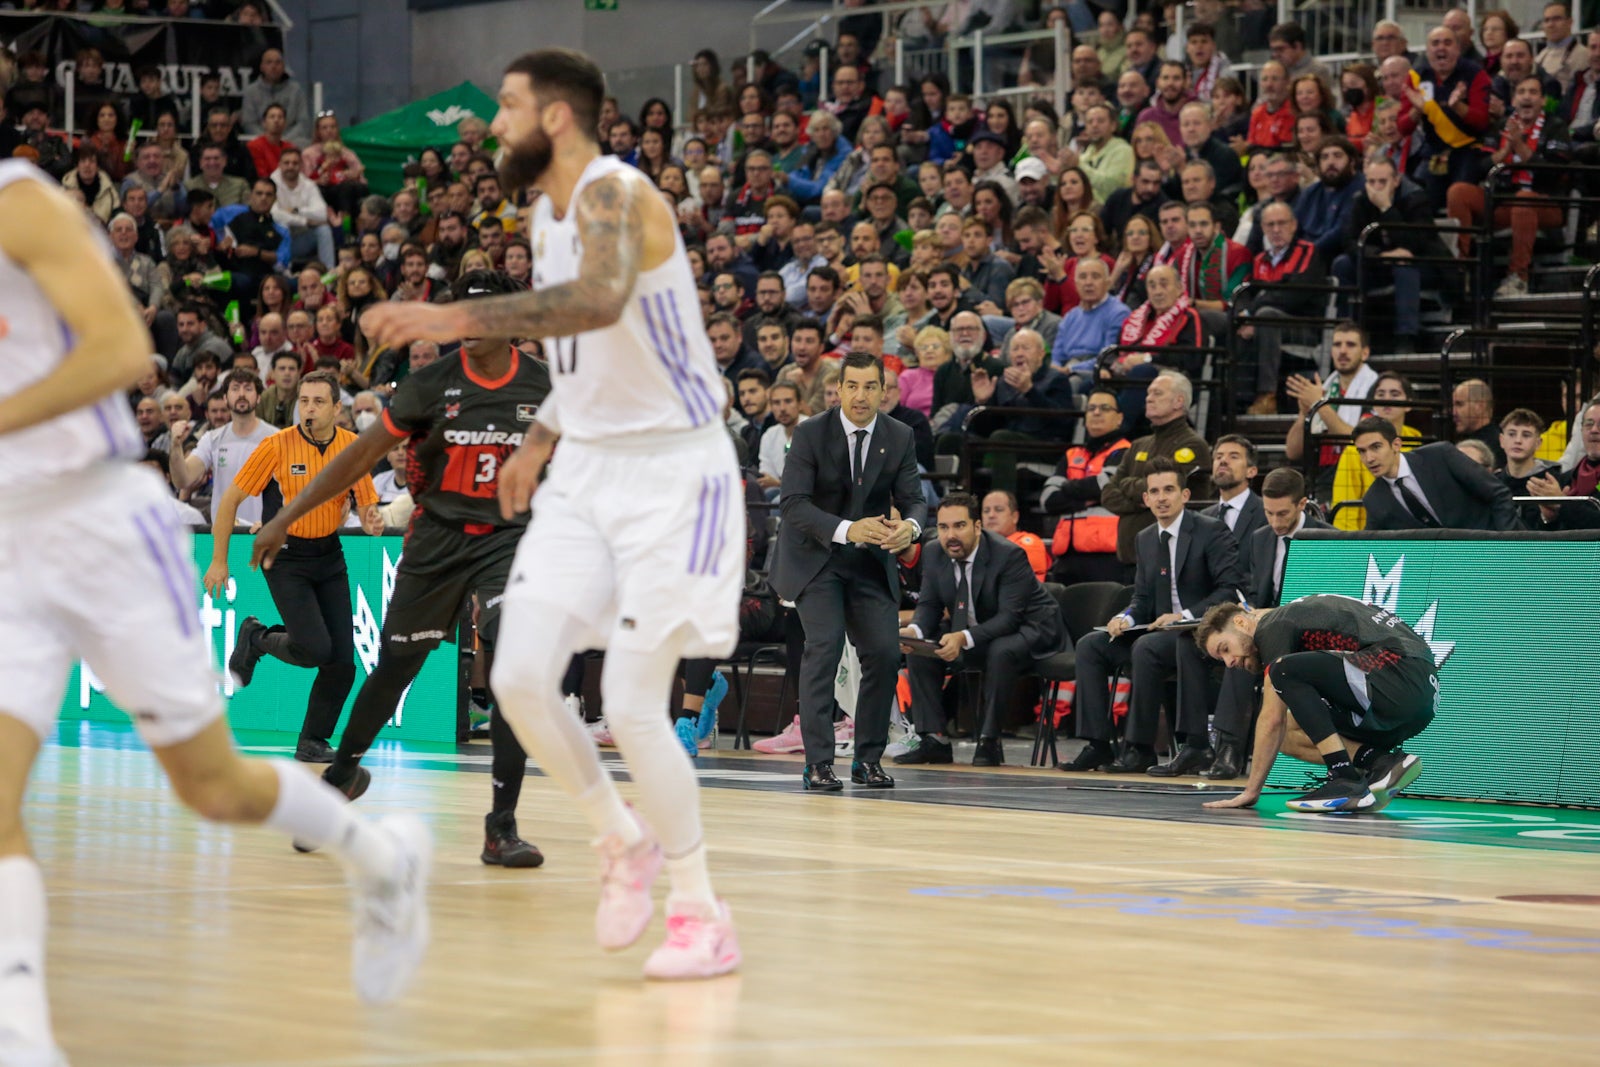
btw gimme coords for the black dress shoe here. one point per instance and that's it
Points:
(1134, 760)
(242, 664)
(1095, 756)
(820, 777)
(1228, 763)
(928, 750)
(313, 750)
(989, 753)
(1191, 759)
(870, 775)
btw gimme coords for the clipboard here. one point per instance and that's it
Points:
(920, 647)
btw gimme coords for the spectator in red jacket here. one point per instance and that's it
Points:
(1290, 264)
(1272, 119)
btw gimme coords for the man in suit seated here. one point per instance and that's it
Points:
(1435, 487)
(1283, 501)
(844, 474)
(1233, 465)
(983, 605)
(1185, 563)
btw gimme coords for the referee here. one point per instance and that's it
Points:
(310, 584)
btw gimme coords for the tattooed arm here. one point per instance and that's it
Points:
(611, 224)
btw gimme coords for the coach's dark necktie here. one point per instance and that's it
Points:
(1277, 581)
(861, 444)
(1414, 504)
(959, 615)
(1166, 572)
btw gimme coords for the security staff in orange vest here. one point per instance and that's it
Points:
(1000, 515)
(1085, 542)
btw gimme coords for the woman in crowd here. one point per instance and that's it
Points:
(272, 298)
(1150, 141)
(999, 117)
(991, 204)
(711, 92)
(899, 329)
(1311, 96)
(174, 157)
(656, 114)
(1074, 194)
(1495, 28)
(359, 288)
(1140, 240)
(184, 269)
(109, 141)
(753, 100)
(853, 171)
(1359, 83)
(932, 350)
(653, 153)
(1086, 236)
(136, 204)
(434, 171)
(927, 111)
(336, 171)
(1231, 114)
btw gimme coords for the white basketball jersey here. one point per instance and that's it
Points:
(652, 370)
(33, 342)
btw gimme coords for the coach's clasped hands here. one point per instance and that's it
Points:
(892, 535)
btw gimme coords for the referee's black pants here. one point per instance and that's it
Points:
(311, 588)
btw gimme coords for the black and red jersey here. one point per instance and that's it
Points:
(1372, 637)
(461, 427)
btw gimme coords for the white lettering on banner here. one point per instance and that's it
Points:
(482, 437)
(176, 80)
(1383, 591)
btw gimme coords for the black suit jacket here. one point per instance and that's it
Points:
(1463, 494)
(818, 493)
(1262, 587)
(1208, 569)
(1251, 519)
(1005, 598)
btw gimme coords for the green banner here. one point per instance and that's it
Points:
(276, 697)
(1512, 625)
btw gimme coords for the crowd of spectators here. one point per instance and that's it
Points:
(1077, 266)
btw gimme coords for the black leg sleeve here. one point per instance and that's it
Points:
(1310, 683)
(374, 705)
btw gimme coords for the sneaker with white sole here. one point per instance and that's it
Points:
(784, 743)
(1514, 285)
(696, 946)
(903, 745)
(844, 737)
(1338, 795)
(1390, 773)
(392, 927)
(626, 875)
(600, 733)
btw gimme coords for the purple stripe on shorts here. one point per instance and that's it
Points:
(699, 527)
(718, 533)
(666, 361)
(186, 623)
(699, 409)
(713, 404)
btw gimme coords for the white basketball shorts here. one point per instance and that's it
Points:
(639, 539)
(96, 567)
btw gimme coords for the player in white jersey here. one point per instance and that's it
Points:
(93, 565)
(637, 543)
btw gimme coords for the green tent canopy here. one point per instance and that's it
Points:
(388, 141)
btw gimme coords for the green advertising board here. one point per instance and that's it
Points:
(276, 697)
(1512, 625)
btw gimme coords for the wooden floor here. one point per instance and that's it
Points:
(873, 933)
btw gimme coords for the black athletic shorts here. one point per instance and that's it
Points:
(1400, 699)
(439, 568)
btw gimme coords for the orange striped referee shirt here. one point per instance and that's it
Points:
(293, 459)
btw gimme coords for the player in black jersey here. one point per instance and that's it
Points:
(461, 419)
(1357, 682)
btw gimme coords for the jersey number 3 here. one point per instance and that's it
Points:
(471, 470)
(566, 353)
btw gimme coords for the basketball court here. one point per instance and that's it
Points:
(966, 917)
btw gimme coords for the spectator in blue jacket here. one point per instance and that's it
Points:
(828, 151)
(1322, 209)
(1095, 324)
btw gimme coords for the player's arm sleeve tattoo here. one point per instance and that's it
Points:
(611, 227)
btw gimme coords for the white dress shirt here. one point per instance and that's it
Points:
(1282, 551)
(1172, 562)
(962, 565)
(1231, 509)
(841, 535)
(1413, 484)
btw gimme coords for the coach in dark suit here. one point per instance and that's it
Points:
(983, 605)
(835, 560)
(1233, 464)
(1184, 553)
(1434, 487)
(1283, 498)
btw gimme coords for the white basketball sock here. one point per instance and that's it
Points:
(691, 883)
(535, 647)
(24, 1005)
(636, 687)
(313, 812)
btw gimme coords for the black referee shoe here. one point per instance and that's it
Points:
(501, 845)
(242, 664)
(352, 789)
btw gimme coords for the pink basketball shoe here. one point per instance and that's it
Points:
(696, 946)
(626, 875)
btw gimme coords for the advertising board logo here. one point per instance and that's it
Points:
(1383, 590)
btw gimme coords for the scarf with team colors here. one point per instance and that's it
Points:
(1138, 329)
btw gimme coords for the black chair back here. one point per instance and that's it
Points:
(1086, 605)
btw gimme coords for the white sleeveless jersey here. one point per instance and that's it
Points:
(651, 371)
(33, 342)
